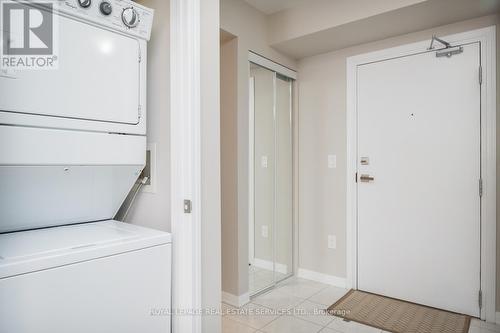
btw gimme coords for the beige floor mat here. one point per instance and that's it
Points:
(397, 316)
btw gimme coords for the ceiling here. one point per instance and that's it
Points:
(274, 6)
(419, 17)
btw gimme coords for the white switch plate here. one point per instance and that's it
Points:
(263, 161)
(332, 242)
(332, 161)
(265, 231)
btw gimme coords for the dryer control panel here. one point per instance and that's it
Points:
(123, 15)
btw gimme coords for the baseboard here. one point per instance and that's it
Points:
(236, 301)
(265, 264)
(323, 278)
(498, 318)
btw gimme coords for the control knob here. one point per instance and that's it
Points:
(130, 17)
(105, 8)
(85, 3)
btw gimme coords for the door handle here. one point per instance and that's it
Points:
(366, 178)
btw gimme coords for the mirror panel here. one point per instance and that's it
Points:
(261, 267)
(271, 225)
(284, 179)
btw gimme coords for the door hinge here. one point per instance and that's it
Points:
(480, 299)
(480, 187)
(139, 55)
(187, 206)
(480, 75)
(139, 111)
(356, 177)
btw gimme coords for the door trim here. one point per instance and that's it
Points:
(486, 37)
(251, 159)
(271, 65)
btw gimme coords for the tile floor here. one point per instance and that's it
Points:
(261, 278)
(296, 306)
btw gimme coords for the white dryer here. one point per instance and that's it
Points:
(72, 145)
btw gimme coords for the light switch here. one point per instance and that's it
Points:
(332, 242)
(263, 161)
(265, 231)
(332, 161)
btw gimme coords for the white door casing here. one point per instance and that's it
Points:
(357, 270)
(251, 221)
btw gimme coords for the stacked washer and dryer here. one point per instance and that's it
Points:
(72, 145)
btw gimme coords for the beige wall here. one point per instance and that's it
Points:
(229, 172)
(250, 27)
(153, 209)
(322, 131)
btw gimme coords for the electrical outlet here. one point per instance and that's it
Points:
(332, 242)
(265, 231)
(332, 161)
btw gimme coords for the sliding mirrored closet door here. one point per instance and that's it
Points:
(271, 173)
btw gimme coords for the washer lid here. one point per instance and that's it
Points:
(33, 250)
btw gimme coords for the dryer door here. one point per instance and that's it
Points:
(97, 79)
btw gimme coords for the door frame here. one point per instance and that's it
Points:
(195, 165)
(486, 37)
(251, 156)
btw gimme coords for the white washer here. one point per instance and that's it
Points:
(94, 277)
(72, 145)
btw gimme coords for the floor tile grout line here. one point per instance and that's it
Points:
(302, 300)
(325, 326)
(270, 322)
(245, 325)
(326, 287)
(295, 318)
(310, 320)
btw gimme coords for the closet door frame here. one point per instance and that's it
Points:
(292, 75)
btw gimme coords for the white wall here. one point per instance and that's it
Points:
(210, 163)
(322, 131)
(153, 209)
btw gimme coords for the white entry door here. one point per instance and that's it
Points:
(419, 218)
